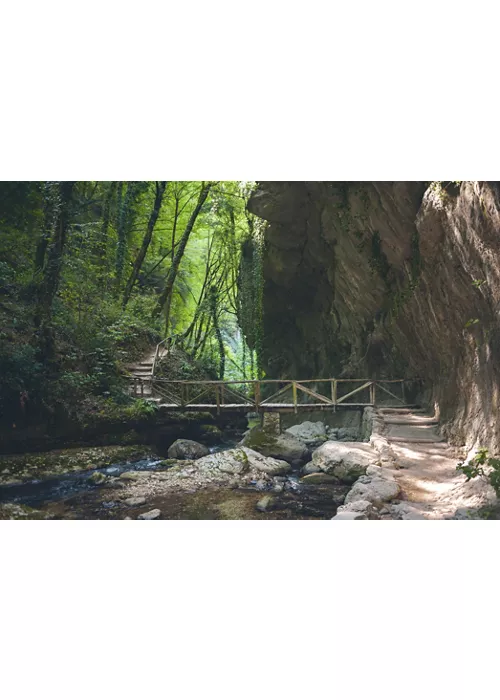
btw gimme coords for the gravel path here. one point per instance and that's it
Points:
(432, 488)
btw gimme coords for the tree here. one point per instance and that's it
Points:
(49, 258)
(164, 301)
(155, 212)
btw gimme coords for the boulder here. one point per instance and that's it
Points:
(312, 434)
(378, 491)
(230, 462)
(284, 446)
(150, 515)
(268, 465)
(347, 461)
(187, 449)
(366, 508)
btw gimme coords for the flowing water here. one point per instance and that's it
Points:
(74, 496)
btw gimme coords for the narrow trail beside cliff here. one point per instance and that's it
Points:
(431, 486)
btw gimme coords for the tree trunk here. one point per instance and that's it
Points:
(218, 334)
(174, 268)
(160, 190)
(106, 216)
(51, 273)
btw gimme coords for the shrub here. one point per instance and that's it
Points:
(476, 467)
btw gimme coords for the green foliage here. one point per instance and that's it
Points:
(92, 336)
(476, 467)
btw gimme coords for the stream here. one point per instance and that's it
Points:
(74, 496)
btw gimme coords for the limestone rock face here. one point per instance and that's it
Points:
(284, 446)
(187, 449)
(347, 460)
(388, 279)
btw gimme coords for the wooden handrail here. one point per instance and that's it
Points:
(213, 393)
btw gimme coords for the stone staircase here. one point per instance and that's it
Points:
(141, 374)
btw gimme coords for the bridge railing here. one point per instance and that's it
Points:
(273, 394)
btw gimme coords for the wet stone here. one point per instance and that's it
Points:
(150, 515)
(264, 504)
(130, 476)
(96, 479)
(135, 501)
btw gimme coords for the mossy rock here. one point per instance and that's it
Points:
(284, 446)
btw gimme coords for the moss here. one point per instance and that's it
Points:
(42, 465)
(258, 438)
(14, 511)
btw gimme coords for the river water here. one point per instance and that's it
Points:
(74, 496)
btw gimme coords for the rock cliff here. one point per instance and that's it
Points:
(388, 279)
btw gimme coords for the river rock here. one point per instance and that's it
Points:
(233, 461)
(347, 461)
(130, 476)
(264, 504)
(135, 501)
(96, 479)
(312, 434)
(268, 465)
(187, 449)
(349, 515)
(284, 446)
(150, 515)
(319, 478)
(366, 508)
(378, 491)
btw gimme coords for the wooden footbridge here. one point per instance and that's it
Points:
(281, 395)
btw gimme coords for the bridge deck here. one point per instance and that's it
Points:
(270, 394)
(273, 407)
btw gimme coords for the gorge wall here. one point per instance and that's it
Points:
(388, 279)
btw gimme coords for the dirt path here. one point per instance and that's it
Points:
(432, 488)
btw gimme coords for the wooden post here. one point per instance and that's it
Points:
(294, 392)
(217, 398)
(183, 394)
(372, 394)
(403, 390)
(142, 387)
(257, 395)
(334, 394)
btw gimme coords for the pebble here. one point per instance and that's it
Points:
(150, 515)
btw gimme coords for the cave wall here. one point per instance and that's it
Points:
(388, 279)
